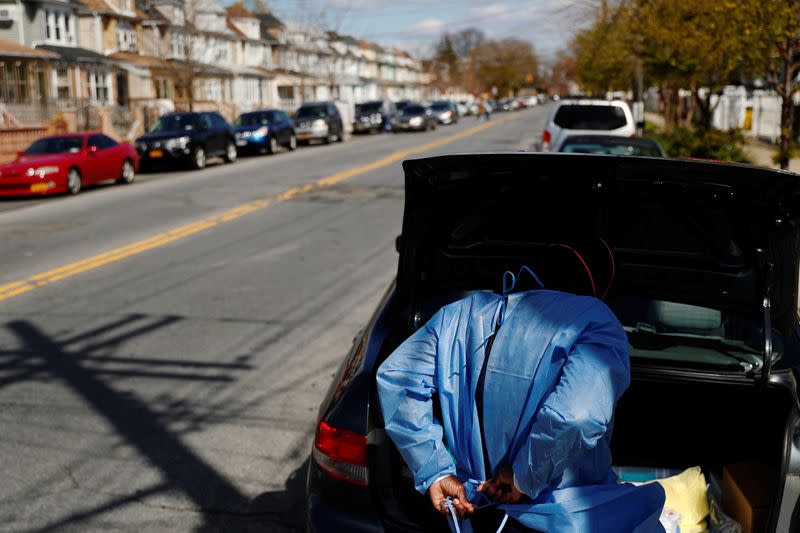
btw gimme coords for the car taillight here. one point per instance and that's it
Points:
(341, 453)
(546, 137)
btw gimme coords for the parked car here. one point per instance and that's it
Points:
(462, 108)
(612, 145)
(67, 164)
(187, 138)
(373, 117)
(414, 117)
(445, 111)
(264, 130)
(400, 105)
(699, 261)
(319, 121)
(586, 116)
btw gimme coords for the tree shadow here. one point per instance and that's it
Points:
(222, 505)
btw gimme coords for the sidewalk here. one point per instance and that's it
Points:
(760, 152)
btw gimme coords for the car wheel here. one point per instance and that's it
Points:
(230, 153)
(330, 138)
(293, 142)
(272, 145)
(128, 173)
(74, 181)
(199, 158)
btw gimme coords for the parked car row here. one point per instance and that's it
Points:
(69, 163)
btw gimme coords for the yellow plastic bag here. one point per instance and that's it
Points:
(686, 495)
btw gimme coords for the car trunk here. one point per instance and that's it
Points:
(699, 261)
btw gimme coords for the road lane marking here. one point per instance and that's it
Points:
(16, 288)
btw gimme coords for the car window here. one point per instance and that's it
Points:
(368, 107)
(104, 141)
(332, 111)
(413, 110)
(254, 119)
(55, 145)
(590, 117)
(205, 120)
(218, 121)
(94, 140)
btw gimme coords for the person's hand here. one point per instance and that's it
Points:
(501, 487)
(450, 486)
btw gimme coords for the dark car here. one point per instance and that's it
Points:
(187, 138)
(264, 130)
(373, 117)
(402, 104)
(700, 264)
(611, 145)
(414, 117)
(445, 111)
(319, 121)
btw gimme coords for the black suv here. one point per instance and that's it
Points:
(373, 117)
(700, 264)
(319, 121)
(187, 138)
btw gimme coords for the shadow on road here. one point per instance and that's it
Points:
(212, 495)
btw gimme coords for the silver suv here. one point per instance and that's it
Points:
(580, 117)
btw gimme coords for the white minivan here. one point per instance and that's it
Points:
(582, 117)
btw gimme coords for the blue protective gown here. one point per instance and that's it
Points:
(558, 365)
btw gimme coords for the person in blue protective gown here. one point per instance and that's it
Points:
(527, 385)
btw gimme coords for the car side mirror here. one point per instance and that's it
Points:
(91, 150)
(20, 153)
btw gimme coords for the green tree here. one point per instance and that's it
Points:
(506, 64)
(446, 54)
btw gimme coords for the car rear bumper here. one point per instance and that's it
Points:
(312, 134)
(334, 506)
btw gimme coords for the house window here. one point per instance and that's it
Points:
(124, 5)
(163, 88)
(178, 42)
(286, 92)
(98, 86)
(210, 89)
(61, 83)
(126, 36)
(59, 26)
(177, 16)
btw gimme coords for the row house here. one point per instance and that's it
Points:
(159, 55)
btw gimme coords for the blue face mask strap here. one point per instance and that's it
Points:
(510, 280)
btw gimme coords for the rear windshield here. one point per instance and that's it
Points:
(440, 106)
(55, 145)
(255, 119)
(612, 148)
(312, 111)
(413, 110)
(590, 117)
(369, 107)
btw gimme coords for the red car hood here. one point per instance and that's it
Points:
(19, 166)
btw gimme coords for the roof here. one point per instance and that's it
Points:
(138, 59)
(12, 49)
(269, 20)
(73, 53)
(102, 6)
(237, 10)
(236, 31)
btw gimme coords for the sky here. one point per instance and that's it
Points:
(415, 25)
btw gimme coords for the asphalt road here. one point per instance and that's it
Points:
(164, 346)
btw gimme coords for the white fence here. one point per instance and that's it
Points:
(757, 114)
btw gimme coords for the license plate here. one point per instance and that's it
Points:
(304, 136)
(39, 187)
(156, 153)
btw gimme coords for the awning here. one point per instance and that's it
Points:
(12, 49)
(75, 54)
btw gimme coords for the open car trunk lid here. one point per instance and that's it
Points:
(715, 235)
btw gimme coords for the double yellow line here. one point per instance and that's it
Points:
(13, 289)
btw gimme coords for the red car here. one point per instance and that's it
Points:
(67, 164)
